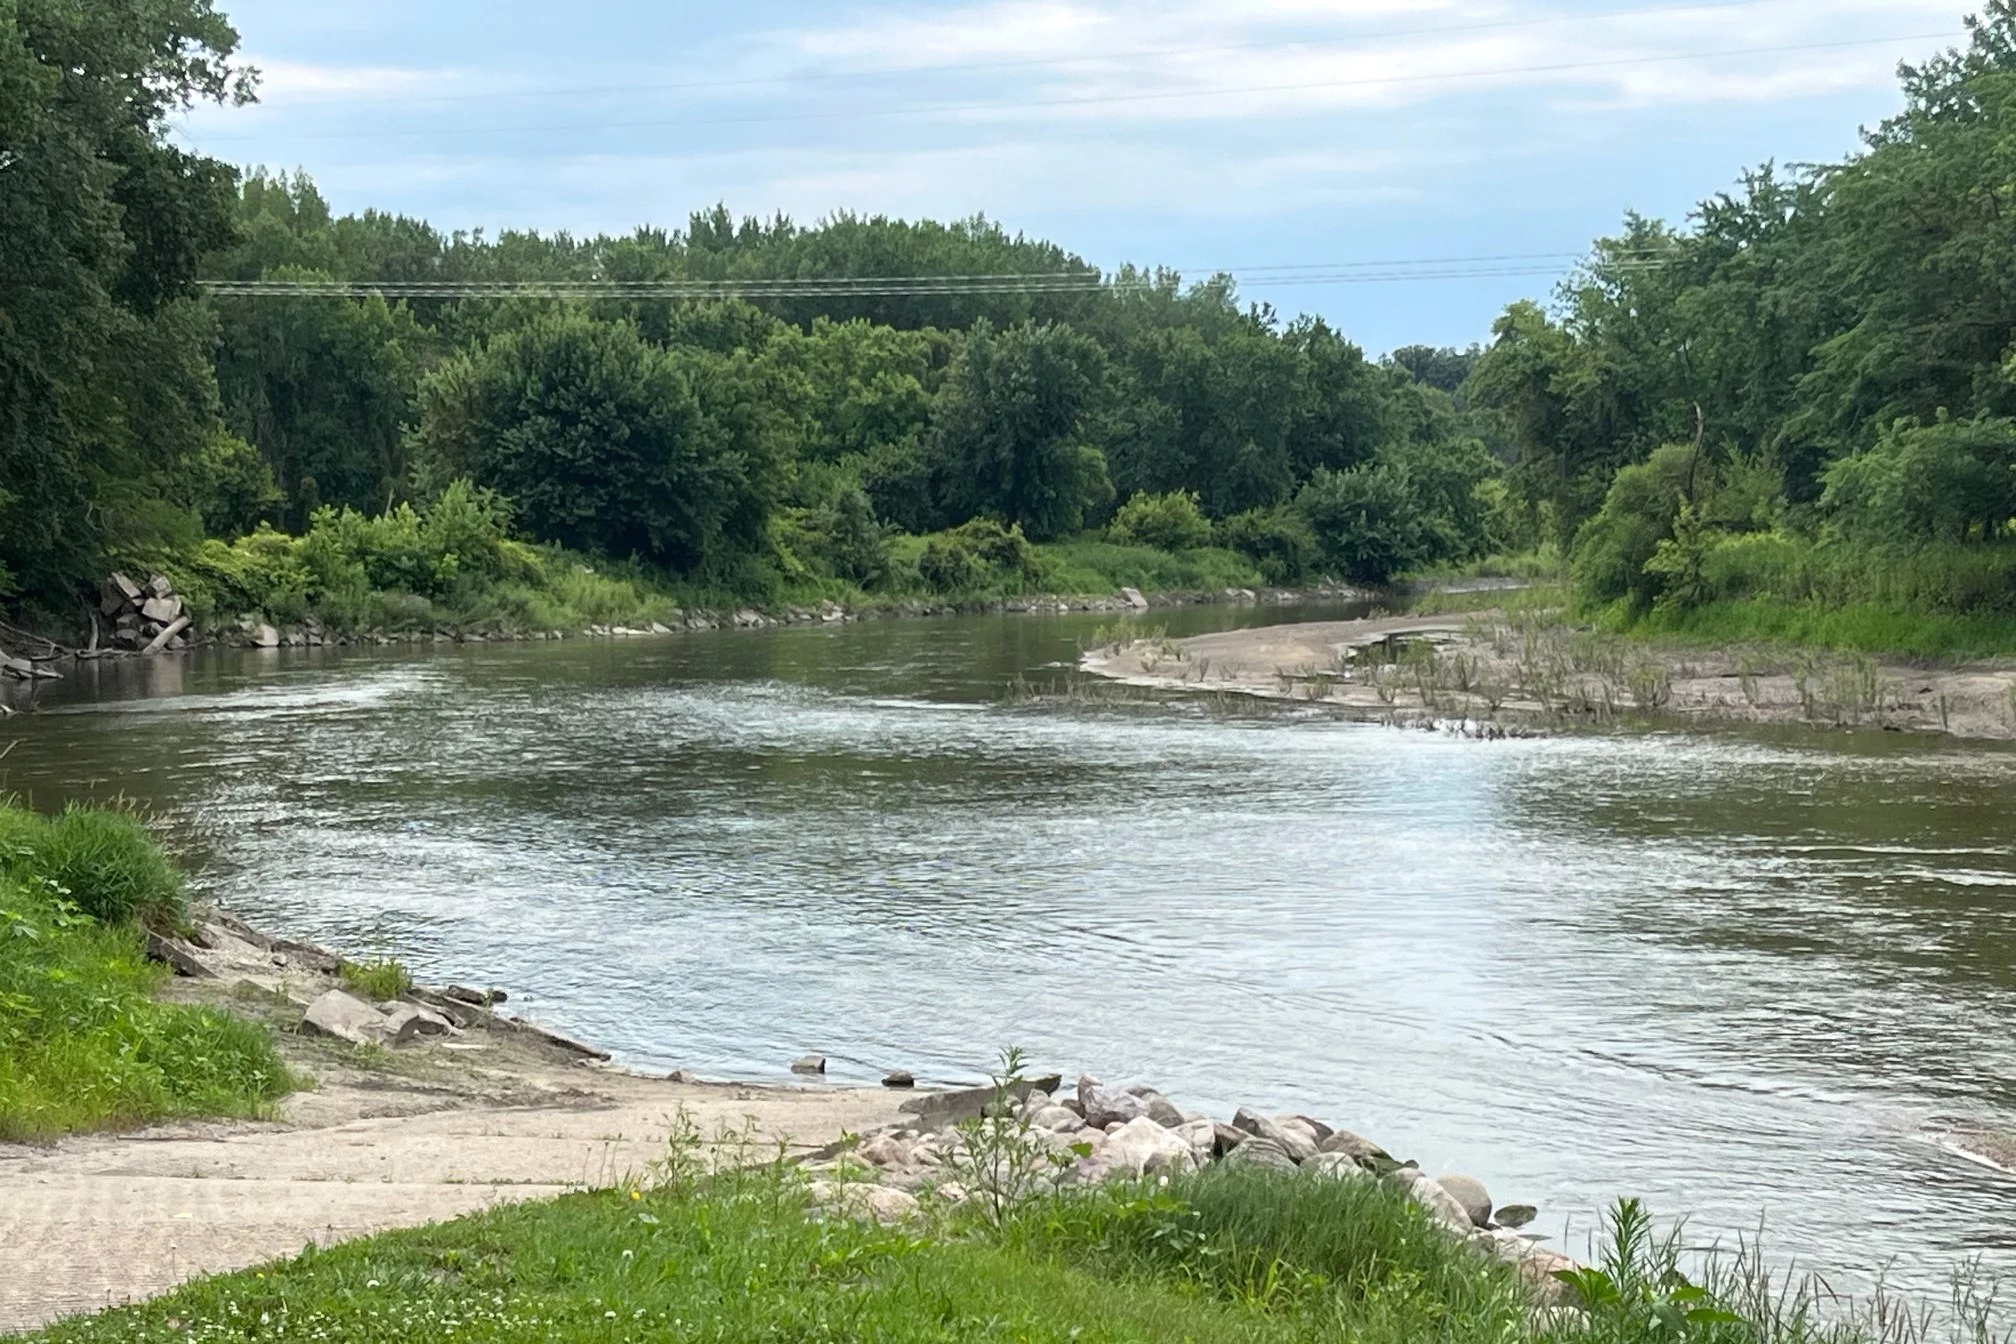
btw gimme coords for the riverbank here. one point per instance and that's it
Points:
(380, 1133)
(437, 1103)
(1488, 672)
(151, 619)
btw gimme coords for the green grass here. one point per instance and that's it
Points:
(105, 861)
(83, 1042)
(1224, 1256)
(1861, 627)
(1088, 566)
(378, 980)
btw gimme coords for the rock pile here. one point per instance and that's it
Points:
(1106, 1133)
(147, 617)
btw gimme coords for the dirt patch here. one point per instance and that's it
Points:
(382, 1139)
(1489, 674)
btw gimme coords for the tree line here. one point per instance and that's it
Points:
(1809, 393)
(735, 441)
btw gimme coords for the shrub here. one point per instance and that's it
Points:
(377, 980)
(1365, 522)
(105, 862)
(1276, 539)
(1169, 522)
(83, 1044)
(978, 554)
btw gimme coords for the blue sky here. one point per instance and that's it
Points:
(1269, 133)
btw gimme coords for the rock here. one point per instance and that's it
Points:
(1301, 1129)
(1132, 597)
(405, 1022)
(1225, 1138)
(264, 636)
(1141, 1147)
(1515, 1215)
(809, 1064)
(951, 1192)
(1316, 1127)
(1294, 1142)
(159, 586)
(173, 953)
(346, 1018)
(125, 587)
(857, 1199)
(1056, 1120)
(1471, 1194)
(560, 1039)
(682, 1076)
(1539, 1268)
(1161, 1110)
(1105, 1106)
(899, 1078)
(1440, 1204)
(935, 1110)
(482, 998)
(1336, 1167)
(1361, 1149)
(1202, 1136)
(1258, 1151)
(883, 1150)
(660, 628)
(161, 609)
(746, 619)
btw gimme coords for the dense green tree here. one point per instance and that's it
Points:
(1010, 432)
(105, 386)
(607, 443)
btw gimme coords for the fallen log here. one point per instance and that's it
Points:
(168, 632)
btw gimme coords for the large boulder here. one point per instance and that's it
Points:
(1471, 1194)
(1202, 1136)
(1160, 1109)
(883, 1150)
(347, 1018)
(1259, 1151)
(1316, 1128)
(1336, 1167)
(406, 1021)
(1294, 1142)
(860, 1200)
(1141, 1146)
(1440, 1204)
(1106, 1106)
(1363, 1150)
(1057, 1120)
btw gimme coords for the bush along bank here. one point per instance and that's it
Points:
(83, 1042)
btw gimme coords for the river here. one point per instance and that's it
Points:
(1738, 974)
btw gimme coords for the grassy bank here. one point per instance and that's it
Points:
(1856, 627)
(1853, 627)
(1227, 1255)
(83, 1042)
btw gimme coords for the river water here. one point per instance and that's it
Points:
(1737, 974)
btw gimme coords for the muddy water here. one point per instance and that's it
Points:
(1739, 975)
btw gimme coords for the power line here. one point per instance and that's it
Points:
(1096, 100)
(874, 286)
(1094, 58)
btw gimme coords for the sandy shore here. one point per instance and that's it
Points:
(384, 1139)
(1479, 669)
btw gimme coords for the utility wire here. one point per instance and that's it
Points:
(840, 287)
(1096, 100)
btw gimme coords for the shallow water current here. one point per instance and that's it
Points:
(1738, 974)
